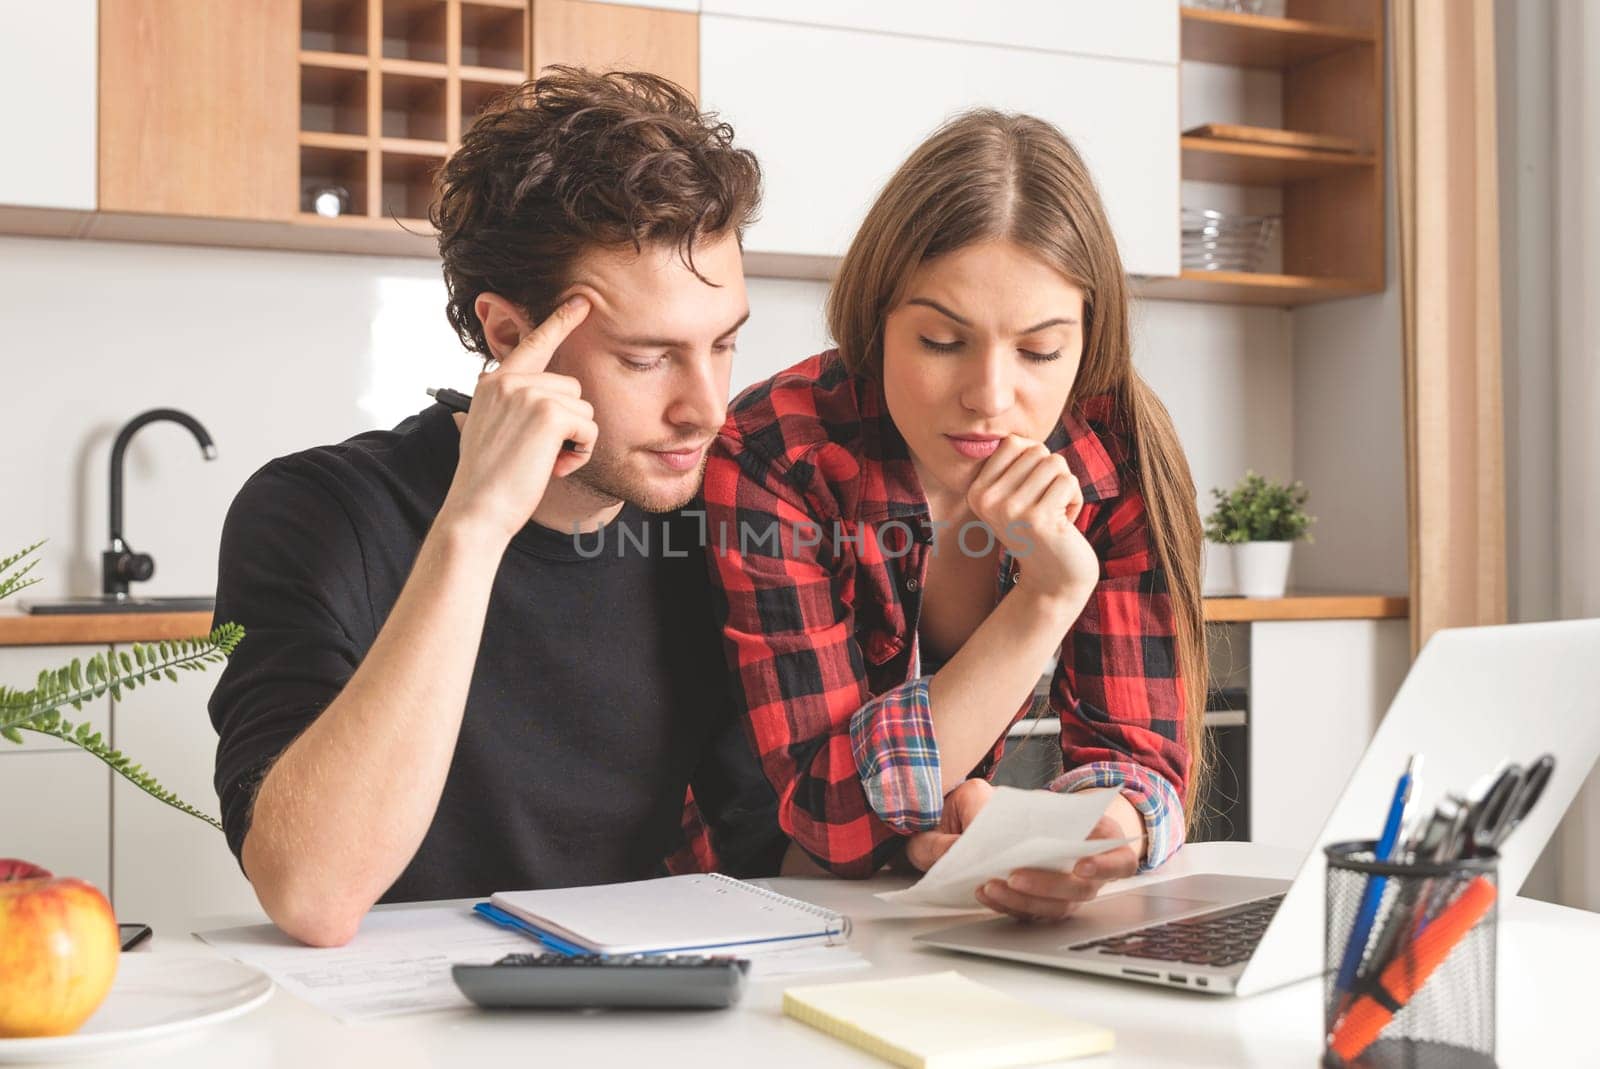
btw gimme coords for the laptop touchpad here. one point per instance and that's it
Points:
(1118, 913)
(1162, 902)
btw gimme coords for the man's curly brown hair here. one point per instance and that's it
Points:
(574, 160)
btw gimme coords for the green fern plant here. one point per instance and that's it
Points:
(39, 709)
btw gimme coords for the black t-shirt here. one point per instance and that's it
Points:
(600, 691)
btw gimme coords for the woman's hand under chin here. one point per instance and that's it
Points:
(1036, 894)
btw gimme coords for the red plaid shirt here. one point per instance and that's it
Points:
(818, 537)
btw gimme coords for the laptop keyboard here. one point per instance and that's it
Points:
(1220, 938)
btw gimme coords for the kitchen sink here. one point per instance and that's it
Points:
(102, 603)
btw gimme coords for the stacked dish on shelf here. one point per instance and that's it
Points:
(1224, 241)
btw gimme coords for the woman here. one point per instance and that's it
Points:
(905, 530)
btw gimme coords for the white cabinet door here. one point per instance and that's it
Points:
(171, 870)
(19, 670)
(831, 113)
(1318, 690)
(48, 71)
(57, 811)
(1123, 29)
(55, 800)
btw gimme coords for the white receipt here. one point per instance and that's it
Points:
(1016, 829)
(399, 961)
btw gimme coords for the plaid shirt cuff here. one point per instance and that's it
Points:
(1158, 804)
(897, 757)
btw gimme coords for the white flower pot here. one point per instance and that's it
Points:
(1261, 569)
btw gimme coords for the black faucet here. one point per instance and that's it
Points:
(120, 565)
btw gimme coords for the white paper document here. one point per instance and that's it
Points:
(1017, 829)
(399, 961)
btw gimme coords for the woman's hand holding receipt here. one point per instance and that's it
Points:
(1035, 894)
(511, 440)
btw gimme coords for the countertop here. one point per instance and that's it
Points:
(20, 629)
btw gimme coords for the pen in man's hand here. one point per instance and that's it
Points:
(456, 401)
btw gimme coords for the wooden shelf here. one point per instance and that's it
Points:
(1307, 607)
(344, 61)
(416, 68)
(1212, 160)
(1261, 40)
(1244, 287)
(342, 142)
(98, 629)
(492, 76)
(411, 146)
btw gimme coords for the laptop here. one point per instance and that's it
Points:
(1474, 697)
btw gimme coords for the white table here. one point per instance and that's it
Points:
(1546, 1012)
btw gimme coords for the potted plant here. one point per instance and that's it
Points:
(1261, 520)
(60, 952)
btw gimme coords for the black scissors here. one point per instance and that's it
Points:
(1505, 803)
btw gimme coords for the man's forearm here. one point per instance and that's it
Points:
(342, 812)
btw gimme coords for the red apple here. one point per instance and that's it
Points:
(58, 951)
(12, 869)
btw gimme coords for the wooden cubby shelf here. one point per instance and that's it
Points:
(1266, 41)
(334, 26)
(386, 87)
(493, 35)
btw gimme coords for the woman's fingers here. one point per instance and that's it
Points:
(980, 494)
(1116, 864)
(996, 499)
(1001, 896)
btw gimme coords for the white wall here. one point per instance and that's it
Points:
(1349, 436)
(277, 351)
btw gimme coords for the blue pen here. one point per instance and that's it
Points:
(495, 915)
(1356, 949)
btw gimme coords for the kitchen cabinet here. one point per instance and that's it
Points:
(1325, 64)
(20, 667)
(386, 87)
(617, 37)
(1318, 690)
(1128, 29)
(662, 5)
(56, 798)
(831, 112)
(168, 868)
(197, 108)
(47, 103)
(58, 811)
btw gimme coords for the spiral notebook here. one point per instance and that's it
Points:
(674, 914)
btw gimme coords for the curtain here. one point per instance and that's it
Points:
(1445, 164)
(1576, 336)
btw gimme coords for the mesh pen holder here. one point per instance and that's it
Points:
(1424, 996)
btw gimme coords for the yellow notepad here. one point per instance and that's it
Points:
(943, 1021)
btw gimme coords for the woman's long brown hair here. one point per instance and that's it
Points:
(987, 175)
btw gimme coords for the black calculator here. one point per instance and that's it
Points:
(615, 981)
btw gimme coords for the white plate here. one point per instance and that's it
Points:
(153, 996)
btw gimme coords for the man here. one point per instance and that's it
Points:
(447, 687)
